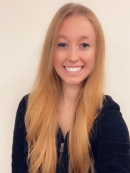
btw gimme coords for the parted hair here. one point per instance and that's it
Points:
(42, 109)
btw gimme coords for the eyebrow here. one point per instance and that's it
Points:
(62, 36)
(82, 37)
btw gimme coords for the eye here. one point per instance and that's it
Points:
(85, 45)
(62, 45)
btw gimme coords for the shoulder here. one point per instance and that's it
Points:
(110, 110)
(110, 122)
(22, 107)
(19, 146)
(109, 104)
(20, 114)
(23, 103)
(110, 140)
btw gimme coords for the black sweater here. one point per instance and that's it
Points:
(109, 142)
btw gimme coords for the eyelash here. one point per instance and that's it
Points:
(62, 45)
(83, 45)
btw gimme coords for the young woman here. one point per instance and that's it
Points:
(66, 123)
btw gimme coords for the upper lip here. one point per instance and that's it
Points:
(73, 66)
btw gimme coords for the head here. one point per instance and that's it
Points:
(51, 41)
(42, 131)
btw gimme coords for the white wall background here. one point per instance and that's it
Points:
(23, 24)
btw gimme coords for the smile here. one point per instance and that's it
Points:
(73, 69)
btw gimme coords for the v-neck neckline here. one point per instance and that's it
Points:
(62, 136)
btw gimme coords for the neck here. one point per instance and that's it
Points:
(70, 93)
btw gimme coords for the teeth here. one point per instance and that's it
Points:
(73, 69)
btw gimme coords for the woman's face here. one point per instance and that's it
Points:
(74, 57)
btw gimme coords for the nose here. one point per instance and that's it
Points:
(73, 55)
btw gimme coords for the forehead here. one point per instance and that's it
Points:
(76, 25)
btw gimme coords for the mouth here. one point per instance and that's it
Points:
(73, 69)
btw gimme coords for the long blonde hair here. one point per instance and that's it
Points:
(41, 114)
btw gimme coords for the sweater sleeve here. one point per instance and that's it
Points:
(112, 146)
(19, 163)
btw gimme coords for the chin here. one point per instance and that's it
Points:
(70, 82)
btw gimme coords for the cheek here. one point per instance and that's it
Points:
(92, 60)
(56, 59)
(89, 58)
(59, 58)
